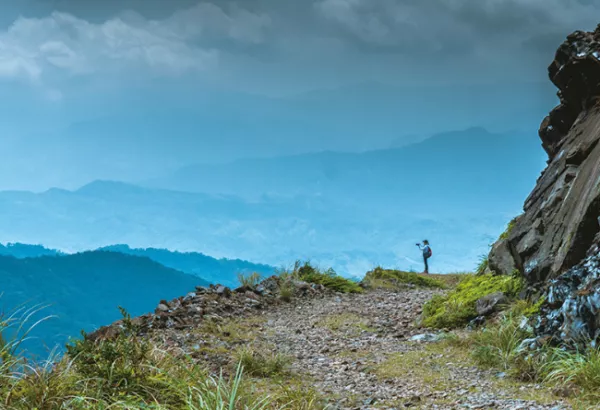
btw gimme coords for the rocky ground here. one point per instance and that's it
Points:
(362, 351)
(365, 352)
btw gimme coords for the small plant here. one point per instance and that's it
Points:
(217, 394)
(509, 229)
(300, 398)
(118, 364)
(260, 364)
(250, 281)
(483, 265)
(498, 346)
(328, 278)
(286, 291)
(457, 307)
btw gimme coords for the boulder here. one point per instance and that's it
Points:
(490, 303)
(500, 259)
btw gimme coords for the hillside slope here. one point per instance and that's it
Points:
(84, 290)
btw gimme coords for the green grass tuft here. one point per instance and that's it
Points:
(328, 278)
(483, 265)
(388, 278)
(509, 229)
(262, 364)
(457, 307)
(250, 281)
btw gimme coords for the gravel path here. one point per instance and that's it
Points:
(358, 350)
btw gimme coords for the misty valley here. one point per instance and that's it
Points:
(299, 205)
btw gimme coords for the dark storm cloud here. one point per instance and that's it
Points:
(450, 26)
(290, 41)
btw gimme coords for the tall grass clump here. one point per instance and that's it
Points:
(457, 307)
(250, 281)
(262, 364)
(328, 278)
(498, 346)
(124, 372)
(483, 265)
(218, 394)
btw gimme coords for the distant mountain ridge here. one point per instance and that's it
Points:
(445, 167)
(208, 269)
(349, 211)
(21, 251)
(217, 271)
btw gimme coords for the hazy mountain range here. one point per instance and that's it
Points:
(346, 210)
(149, 132)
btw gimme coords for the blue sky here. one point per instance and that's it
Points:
(131, 89)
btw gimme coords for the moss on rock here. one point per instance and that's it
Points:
(457, 307)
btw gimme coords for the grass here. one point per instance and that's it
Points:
(286, 291)
(500, 346)
(394, 279)
(345, 322)
(262, 364)
(328, 278)
(126, 372)
(509, 229)
(457, 307)
(483, 265)
(250, 281)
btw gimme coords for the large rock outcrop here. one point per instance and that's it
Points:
(560, 218)
(555, 242)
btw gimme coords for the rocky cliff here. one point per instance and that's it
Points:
(554, 243)
(561, 214)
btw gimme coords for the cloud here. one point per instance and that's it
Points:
(441, 26)
(32, 47)
(267, 46)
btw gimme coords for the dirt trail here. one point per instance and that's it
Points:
(358, 350)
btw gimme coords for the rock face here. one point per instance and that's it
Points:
(560, 218)
(571, 314)
(555, 242)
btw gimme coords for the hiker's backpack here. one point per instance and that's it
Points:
(430, 252)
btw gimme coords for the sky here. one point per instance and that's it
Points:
(132, 89)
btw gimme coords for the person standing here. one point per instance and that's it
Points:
(426, 249)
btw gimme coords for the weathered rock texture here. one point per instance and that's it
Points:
(554, 243)
(560, 216)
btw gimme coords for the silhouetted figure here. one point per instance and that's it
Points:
(426, 249)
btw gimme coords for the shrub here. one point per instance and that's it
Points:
(117, 365)
(250, 281)
(388, 278)
(458, 306)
